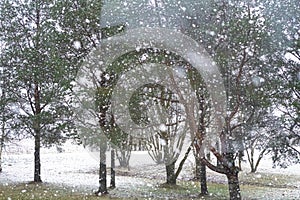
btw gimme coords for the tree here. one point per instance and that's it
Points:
(279, 86)
(155, 104)
(283, 147)
(259, 138)
(100, 109)
(168, 140)
(6, 108)
(233, 34)
(45, 62)
(123, 152)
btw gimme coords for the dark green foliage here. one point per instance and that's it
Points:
(39, 39)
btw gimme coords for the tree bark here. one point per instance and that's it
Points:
(200, 175)
(230, 172)
(102, 168)
(37, 159)
(140, 145)
(198, 168)
(232, 176)
(2, 142)
(203, 181)
(234, 187)
(171, 177)
(1, 149)
(37, 134)
(112, 170)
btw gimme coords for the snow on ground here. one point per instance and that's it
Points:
(77, 168)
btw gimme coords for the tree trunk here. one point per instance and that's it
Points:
(250, 156)
(124, 157)
(231, 172)
(37, 158)
(203, 181)
(140, 145)
(234, 187)
(232, 176)
(200, 175)
(1, 149)
(240, 159)
(240, 164)
(2, 141)
(259, 159)
(102, 168)
(171, 177)
(112, 170)
(198, 168)
(37, 134)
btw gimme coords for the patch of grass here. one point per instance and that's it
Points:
(259, 193)
(184, 190)
(270, 180)
(42, 191)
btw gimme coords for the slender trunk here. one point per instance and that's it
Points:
(37, 159)
(102, 168)
(240, 159)
(140, 145)
(112, 170)
(203, 181)
(250, 159)
(171, 177)
(201, 174)
(37, 135)
(3, 120)
(234, 187)
(198, 168)
(261, 155)
(170, 169)
(2, 142)
(240, 164)
(182, 162)
(1, 149)
(250, 156)
(124, 157)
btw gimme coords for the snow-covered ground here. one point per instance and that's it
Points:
(77, 168)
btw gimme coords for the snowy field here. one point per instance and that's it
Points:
(77, 168)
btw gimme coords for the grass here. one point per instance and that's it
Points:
(270, 180)
(184, 190)
(270, 186)
(253, 186)
(42, 191)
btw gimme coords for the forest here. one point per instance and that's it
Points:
(202, 89)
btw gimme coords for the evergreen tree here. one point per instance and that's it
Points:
(44, 54)
(7, 118)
